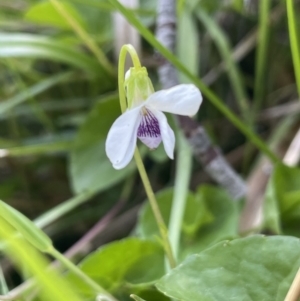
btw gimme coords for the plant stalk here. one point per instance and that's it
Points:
(156, 211)
(140, 165)
(181, 186)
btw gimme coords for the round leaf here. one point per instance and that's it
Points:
(252, 268)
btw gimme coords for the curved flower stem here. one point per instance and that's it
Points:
(121, 71)
(157, 214)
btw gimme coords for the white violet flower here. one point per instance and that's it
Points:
(144, 118)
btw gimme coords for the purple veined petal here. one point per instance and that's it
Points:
(181, 100)
(121, 139)
(167, 134)
(148, 130)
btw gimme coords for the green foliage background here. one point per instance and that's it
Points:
(58, 99)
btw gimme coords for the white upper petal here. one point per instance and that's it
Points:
(121, 139)
(167, 134)
(181, 100)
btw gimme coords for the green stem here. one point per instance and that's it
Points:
(61, 209)
(234, 73)
(99, 54)
(181, 186)
(73, 268)
(294, 41)
(155, 208)
(214, 99)
(261, 57)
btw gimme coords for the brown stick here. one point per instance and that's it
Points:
(294, 291)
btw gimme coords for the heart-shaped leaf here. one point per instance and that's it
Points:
(252, 268)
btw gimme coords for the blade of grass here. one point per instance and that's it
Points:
(51, 106)
(232, 68)
(35, 46)
(181, 186)
(103, 5)
(243, 47)
(187, 45)
(214, 99)
(37, 149)
(35, 105)
(295, 48)
(77, 28)
(34, 90)
(261, 54)
(61, 209)
(260, 70)
(53, 286)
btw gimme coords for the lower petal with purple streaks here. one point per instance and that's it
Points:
(148, 130)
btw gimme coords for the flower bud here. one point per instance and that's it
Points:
(138, 86)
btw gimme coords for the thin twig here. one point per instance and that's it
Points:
(290, 108)
(85, 240)
(252, 215)
(292, 155)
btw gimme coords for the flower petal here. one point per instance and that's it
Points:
(121, 139)
(181, 100)
(167, 134)
(148, 130)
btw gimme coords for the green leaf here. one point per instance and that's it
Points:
(90, 169)
(252, 268)
(44, 13)
(97, 18)
(196, 214)
(34, 46)
(282, 200)
(224, 225)
(210, 216)
(271, 210)
(211, 5)
(49, 283)
(238, 5)
(129, 261)
(26, 227)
